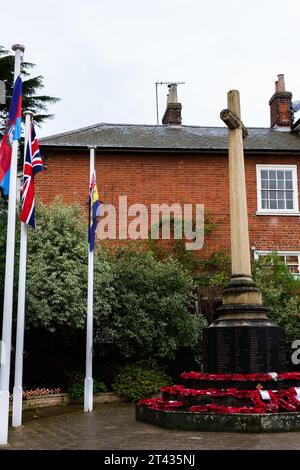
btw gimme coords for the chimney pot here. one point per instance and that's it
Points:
(172, 115)
(172, 96)
(281, 84)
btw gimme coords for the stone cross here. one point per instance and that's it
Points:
(242, 289)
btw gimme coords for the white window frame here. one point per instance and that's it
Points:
(295, 210)
(258, 253)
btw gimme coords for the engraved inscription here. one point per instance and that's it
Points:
(243, 349)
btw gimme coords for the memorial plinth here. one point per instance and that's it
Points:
(242, 339)
(227, 402)
(208, 422)
(250, 348)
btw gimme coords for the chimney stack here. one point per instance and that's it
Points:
(280, 104)
(172, 116)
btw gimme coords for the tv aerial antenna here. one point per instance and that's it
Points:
(156, 94)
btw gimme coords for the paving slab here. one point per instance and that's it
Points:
(113, 427)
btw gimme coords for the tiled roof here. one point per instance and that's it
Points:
(153, 137)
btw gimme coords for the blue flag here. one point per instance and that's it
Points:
(94, 203)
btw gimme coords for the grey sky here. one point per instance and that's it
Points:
(103, 57)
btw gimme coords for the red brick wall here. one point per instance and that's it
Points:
(184, 178)
(280, 109)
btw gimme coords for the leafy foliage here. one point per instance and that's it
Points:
(76, 390)
(215, 270)
(141, 304)
(150, 316)
(219, 279)
(218, 261)
(57, 270)
(99, 386)
(140, 380)
(280, 291)
(3, 233)
(177, 247)
(38, 104)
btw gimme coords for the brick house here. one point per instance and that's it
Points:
(173, 163)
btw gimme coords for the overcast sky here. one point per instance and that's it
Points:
(103, 57)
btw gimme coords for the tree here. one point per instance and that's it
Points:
(280, 291)
(150, 315)
(37, 104)
(141, 304)
(56, 289)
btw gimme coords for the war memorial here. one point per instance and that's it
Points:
(244, 385)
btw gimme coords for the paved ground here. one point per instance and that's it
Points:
(112, 427)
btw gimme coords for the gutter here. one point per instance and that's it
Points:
(80, 148)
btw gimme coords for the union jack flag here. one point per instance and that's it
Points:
(33, 164)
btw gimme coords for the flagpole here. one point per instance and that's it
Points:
(18, 389)
(9, 276)
(88, 382)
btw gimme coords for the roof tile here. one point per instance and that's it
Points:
(153, 137)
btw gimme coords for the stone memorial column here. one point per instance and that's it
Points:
(241, 339)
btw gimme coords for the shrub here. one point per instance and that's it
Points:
(280, 291)
(99, 386)
(56, 288)
(76, 390)
(218, 261)
(220, 279)
(215, 270)
(150, 315)
(140, 380)
(141, 304)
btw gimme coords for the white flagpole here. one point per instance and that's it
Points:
(9, 276)
(18, 389)
(88, 382)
